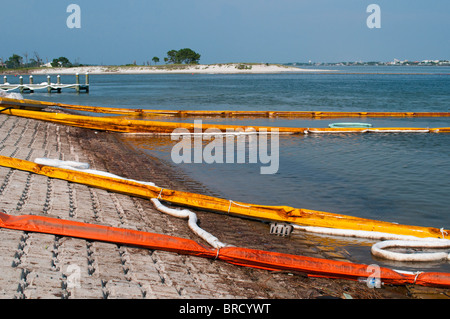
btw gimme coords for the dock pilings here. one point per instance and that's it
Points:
(58, 86)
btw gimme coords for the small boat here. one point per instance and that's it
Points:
(341, 125)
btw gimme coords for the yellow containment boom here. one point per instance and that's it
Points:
(298, 216)
(122, 125)
(26, 103)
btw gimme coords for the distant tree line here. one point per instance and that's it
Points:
(181, 56)
(17, 61)
(186, 56)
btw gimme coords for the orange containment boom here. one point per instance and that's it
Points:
(234, 255)
(299, 216)
(208, 113)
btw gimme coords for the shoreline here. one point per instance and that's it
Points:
(219, 68)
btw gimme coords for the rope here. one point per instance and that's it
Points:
(237, 204)
(7, 90)
(217, 254)
(417, 276)
(443, 232)
(43, 86)
(6, 108)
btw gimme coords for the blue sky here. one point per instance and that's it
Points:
(120, 32)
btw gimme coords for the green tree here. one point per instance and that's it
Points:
(14, 61)
(155, 59)
(172, 56)
(55, 63)
(61, 62)
(186, 55)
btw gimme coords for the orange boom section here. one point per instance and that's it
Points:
(234, 255)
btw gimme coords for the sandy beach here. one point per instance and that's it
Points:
(226, 68)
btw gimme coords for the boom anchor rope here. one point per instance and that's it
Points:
(6, 108)
(159, 195)
(237, 204)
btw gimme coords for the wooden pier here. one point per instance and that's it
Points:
(49, 86)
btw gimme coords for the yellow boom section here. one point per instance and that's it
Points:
(26, 103)
(123, 125)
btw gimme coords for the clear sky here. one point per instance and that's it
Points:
(120, 32)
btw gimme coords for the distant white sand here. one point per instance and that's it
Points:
(227, 68)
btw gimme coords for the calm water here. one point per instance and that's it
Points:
(402, 178)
